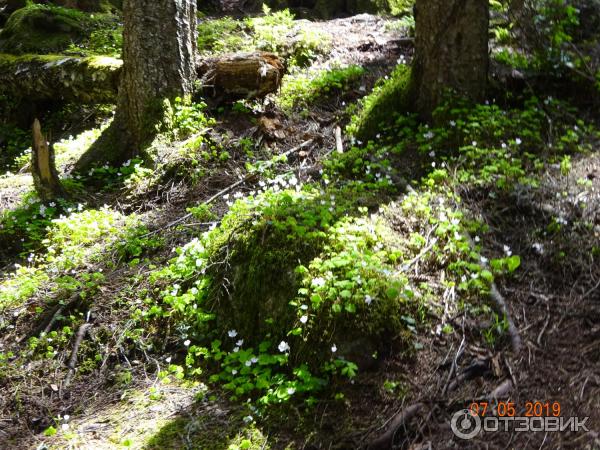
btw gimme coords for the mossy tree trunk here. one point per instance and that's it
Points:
(451, 51)
(159, 49)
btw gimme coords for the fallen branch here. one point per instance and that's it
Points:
(339, 144)
(73, 359)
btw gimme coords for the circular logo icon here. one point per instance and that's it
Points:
(465, 425)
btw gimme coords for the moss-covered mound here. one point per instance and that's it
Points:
(44, 29)
(383, 105)
(287, 267)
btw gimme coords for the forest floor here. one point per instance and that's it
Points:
(554, 302)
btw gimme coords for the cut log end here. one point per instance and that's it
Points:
(241, 75)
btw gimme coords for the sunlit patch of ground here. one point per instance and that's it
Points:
(12, 189)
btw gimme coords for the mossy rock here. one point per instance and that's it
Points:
(44, 29)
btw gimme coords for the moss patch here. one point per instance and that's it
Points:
(383, 105)
(45, 29)
(58, 77)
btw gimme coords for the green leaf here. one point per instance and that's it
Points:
(345, 294)
(392, 292)
(513, 263)
(497, 264)
(316, 300)
(50, 431)
(487, 275)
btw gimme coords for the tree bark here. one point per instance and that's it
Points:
(43, 168)
(159, 48)
(451, 51)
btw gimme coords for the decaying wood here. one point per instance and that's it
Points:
(96, 80)
(43, 168)
(242, 75)
(41, 78)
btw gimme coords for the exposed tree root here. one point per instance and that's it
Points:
(46, 325)
(386, 440)
(73, 359)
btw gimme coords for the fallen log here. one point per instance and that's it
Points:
(35, 78)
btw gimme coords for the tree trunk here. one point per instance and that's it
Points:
(159, 48)
(43, 168)
(451, 51)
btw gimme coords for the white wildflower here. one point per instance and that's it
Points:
(283, 347)
(318, 282)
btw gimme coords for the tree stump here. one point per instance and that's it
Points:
(242, 75)
(43, 168)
